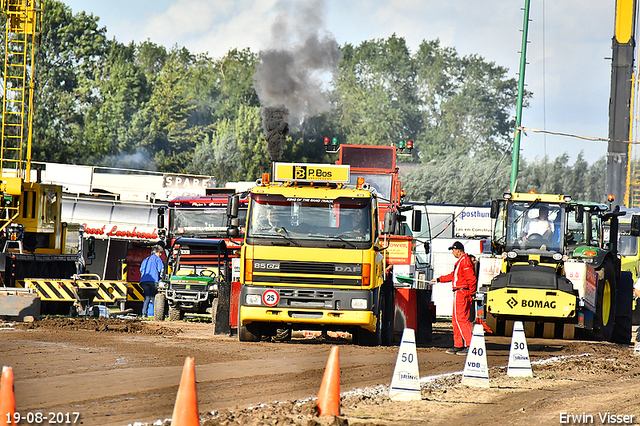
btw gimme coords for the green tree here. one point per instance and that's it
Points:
(112, 124)
(375, 93)
(466, 103)
(68, 59)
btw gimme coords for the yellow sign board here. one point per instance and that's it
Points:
(307, 172)
(399, 250)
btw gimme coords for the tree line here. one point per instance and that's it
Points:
(141, 105)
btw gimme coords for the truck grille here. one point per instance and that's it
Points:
(307, 268)
(307, 280)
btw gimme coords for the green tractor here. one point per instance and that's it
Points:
(197, 280)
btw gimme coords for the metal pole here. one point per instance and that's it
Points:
(523, 63)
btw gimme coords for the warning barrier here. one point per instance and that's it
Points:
(476, 371)
(519, 361)
(405, 384)
(62, 290)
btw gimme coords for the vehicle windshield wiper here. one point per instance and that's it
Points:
(532, 205)
(331, 237)
(285, 234)
(340, 237)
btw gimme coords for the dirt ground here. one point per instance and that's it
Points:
(126, 372)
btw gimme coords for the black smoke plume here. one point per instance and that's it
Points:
(276, 129)
(291, 74)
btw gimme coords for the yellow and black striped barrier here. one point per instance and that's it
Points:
(52, 290)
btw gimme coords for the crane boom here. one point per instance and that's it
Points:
(618, 150)
(23, 23)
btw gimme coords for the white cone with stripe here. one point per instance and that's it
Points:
(476, 371)
(405, 384)
(519, 361)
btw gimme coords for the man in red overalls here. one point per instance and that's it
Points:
(464, 282)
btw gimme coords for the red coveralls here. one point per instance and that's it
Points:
(464, 287)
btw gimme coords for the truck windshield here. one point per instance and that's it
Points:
(195, 221)
(534, 225)
(299, 219)
(381, 183)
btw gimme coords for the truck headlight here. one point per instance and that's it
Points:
(213, 287)
(358, 303)
(253, 299)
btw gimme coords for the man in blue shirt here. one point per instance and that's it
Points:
(150, 271)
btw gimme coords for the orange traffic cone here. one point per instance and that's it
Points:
(485, 327)
(7, 397)
(185, 412)
(329, 394)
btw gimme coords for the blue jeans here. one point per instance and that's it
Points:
(150, 289)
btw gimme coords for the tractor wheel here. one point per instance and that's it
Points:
(250, 332)
(604, 318)
(175, 314)
(624, 310)
(214, 311)
(159, 307)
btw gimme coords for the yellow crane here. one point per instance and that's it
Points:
(37, 249)
(23, 25)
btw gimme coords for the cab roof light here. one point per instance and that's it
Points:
(331, 144)
(568, 198)
(611, 198)
(360, 182)
(265, 179)
(506, 195)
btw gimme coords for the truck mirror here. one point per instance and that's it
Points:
(91, 247)
(579, 213)
(635, 225)
(233, 206)
(426, 247)
(416, 221)
(495, 208)
(390, 221)
(161, 217)
(233, 226)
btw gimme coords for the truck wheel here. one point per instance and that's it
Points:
(387, 320)
(624, 310)
(605, 304)
(159, 306)
(367, 338)
(175, 314)
(248, 333)
(214, 311)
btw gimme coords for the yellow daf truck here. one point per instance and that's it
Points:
(312, 256)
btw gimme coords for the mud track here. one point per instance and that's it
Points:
(118, 372)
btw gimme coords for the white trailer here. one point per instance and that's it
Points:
(442, 225)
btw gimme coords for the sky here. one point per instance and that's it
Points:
(568, 49)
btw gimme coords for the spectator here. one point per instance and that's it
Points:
(150, 271)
